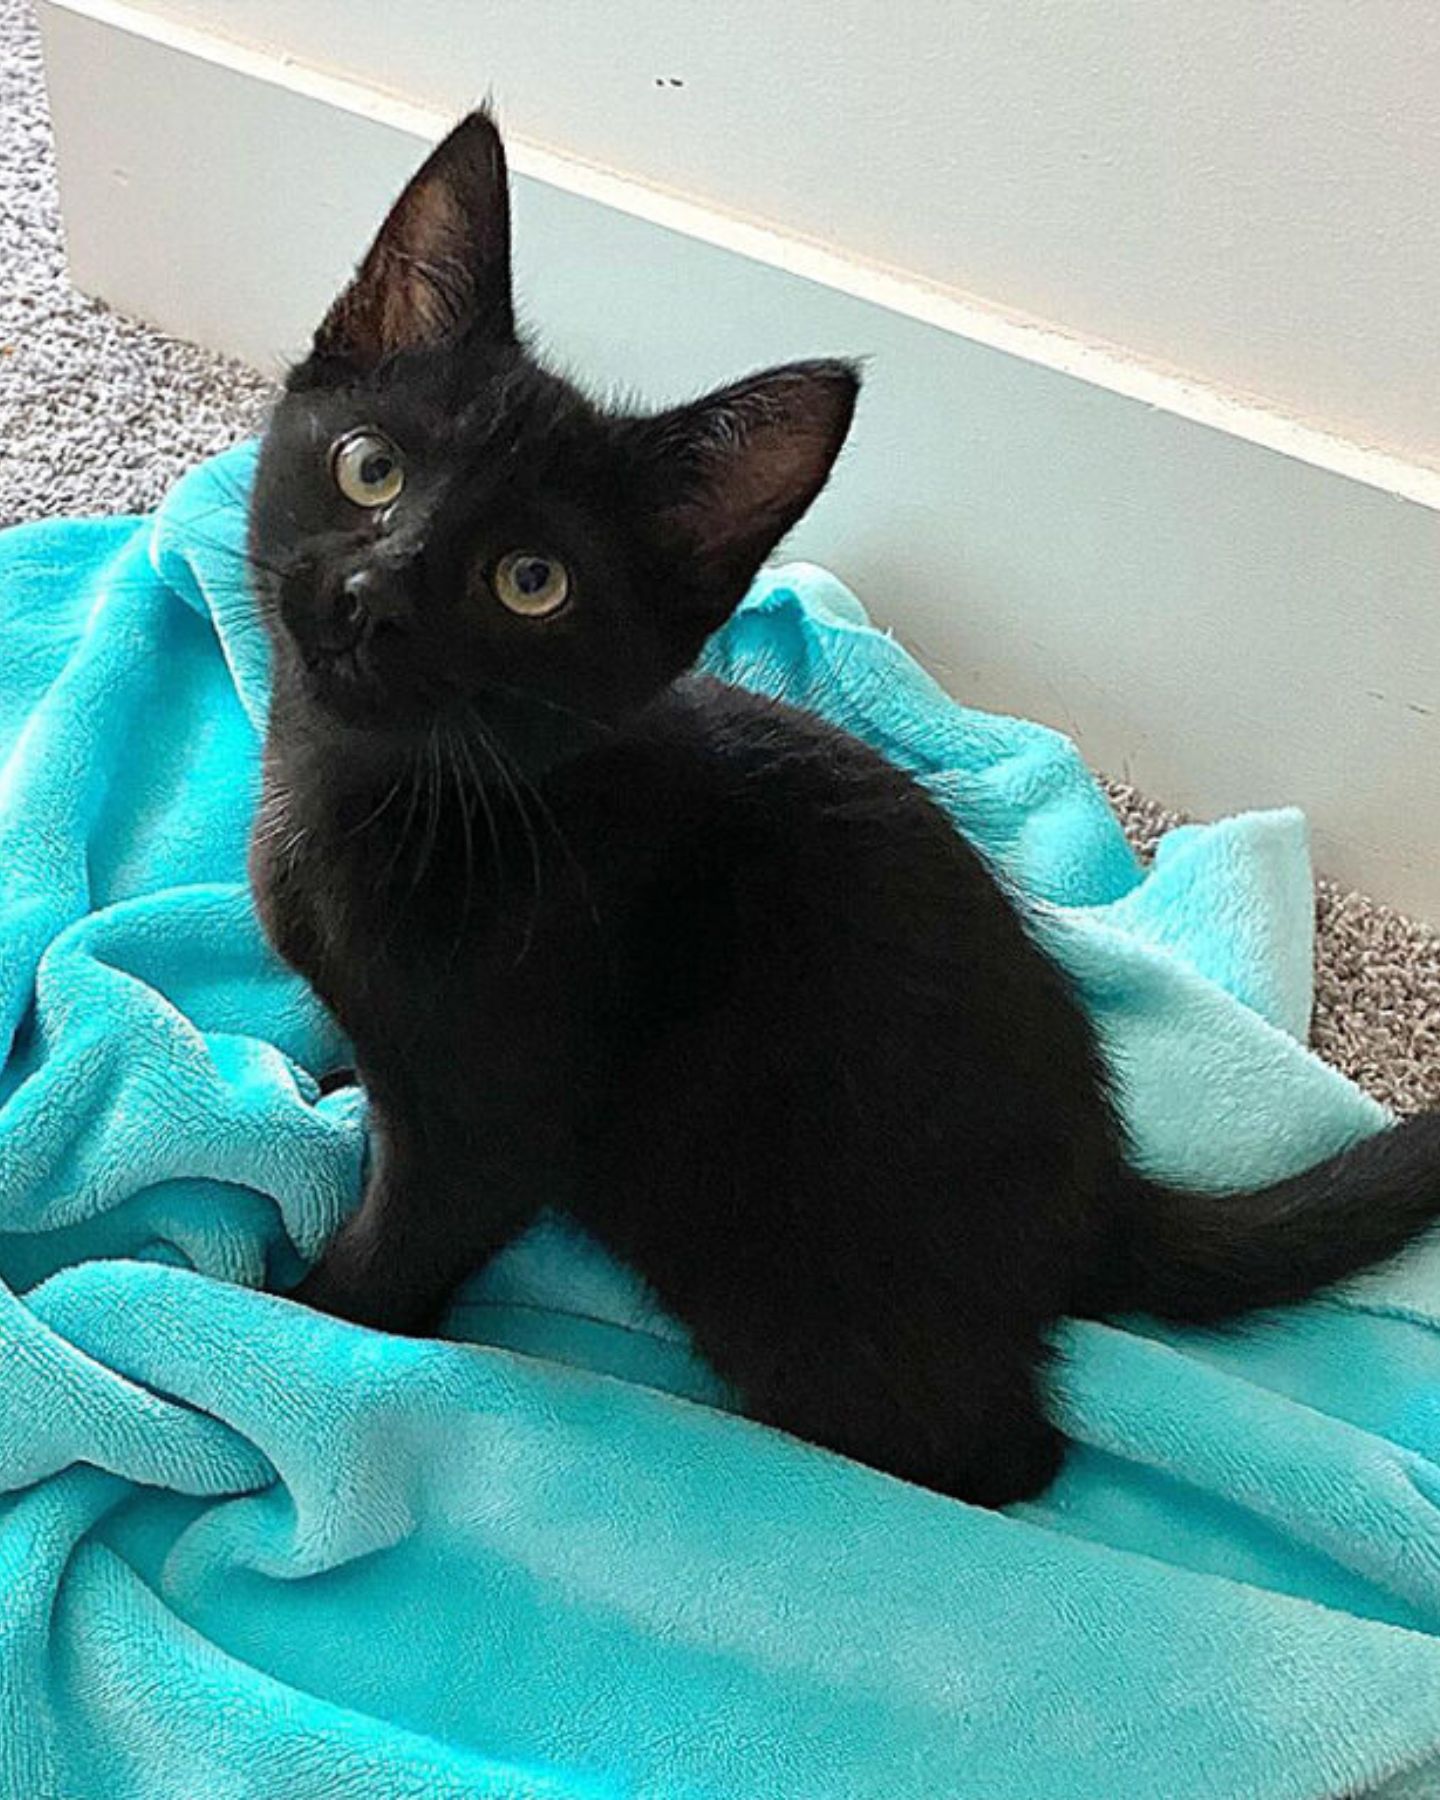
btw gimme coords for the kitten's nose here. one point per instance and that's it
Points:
(358, 602)
(358, 593)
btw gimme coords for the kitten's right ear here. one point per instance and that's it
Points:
(440, 264)
(727, 476)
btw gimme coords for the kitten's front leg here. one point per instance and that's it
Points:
(427, 1221)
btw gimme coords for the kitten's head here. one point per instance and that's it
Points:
(440, 524)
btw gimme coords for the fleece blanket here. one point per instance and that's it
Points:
(248, 1551)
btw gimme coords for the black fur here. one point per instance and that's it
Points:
(700, 970)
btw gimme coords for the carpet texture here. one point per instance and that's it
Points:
(100, 414)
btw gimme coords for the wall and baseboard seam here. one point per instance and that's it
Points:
(1228, 607)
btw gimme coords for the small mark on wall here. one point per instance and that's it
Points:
(668, 81)
(1413, 706)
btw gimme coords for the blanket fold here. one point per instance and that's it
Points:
(248, 1551)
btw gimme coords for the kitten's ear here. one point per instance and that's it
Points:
(734, 471)
(440, 264)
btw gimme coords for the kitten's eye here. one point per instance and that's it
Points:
(530, 584)
(367, 467)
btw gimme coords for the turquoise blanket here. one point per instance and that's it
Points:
(245, 1550)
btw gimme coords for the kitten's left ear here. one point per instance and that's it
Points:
(440, 264)
(733, 472)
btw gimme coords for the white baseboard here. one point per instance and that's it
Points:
(1226, 607)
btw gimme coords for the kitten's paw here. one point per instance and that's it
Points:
(324, 1290)
(1019, 1467)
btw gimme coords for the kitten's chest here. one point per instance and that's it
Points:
(328, 901)
(439, 914)
(594, 913)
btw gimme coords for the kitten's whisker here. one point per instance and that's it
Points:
(246, 558)
(555, 706)
(501, 756)
(224, 508)
(548, 816)
(432, 809)
(404, 834)
(384, 805)
(464, 799)
(477, 781)
(500, 762)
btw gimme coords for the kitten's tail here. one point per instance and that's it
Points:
(1199, 1258)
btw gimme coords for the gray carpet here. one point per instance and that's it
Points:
(99, 414)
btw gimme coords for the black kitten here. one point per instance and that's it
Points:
(702, 971)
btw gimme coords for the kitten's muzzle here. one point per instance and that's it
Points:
(350, 609)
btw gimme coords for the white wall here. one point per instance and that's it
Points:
(1228, 608)
(1243, 190)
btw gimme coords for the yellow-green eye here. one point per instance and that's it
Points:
(531, 584)
(368, 469)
